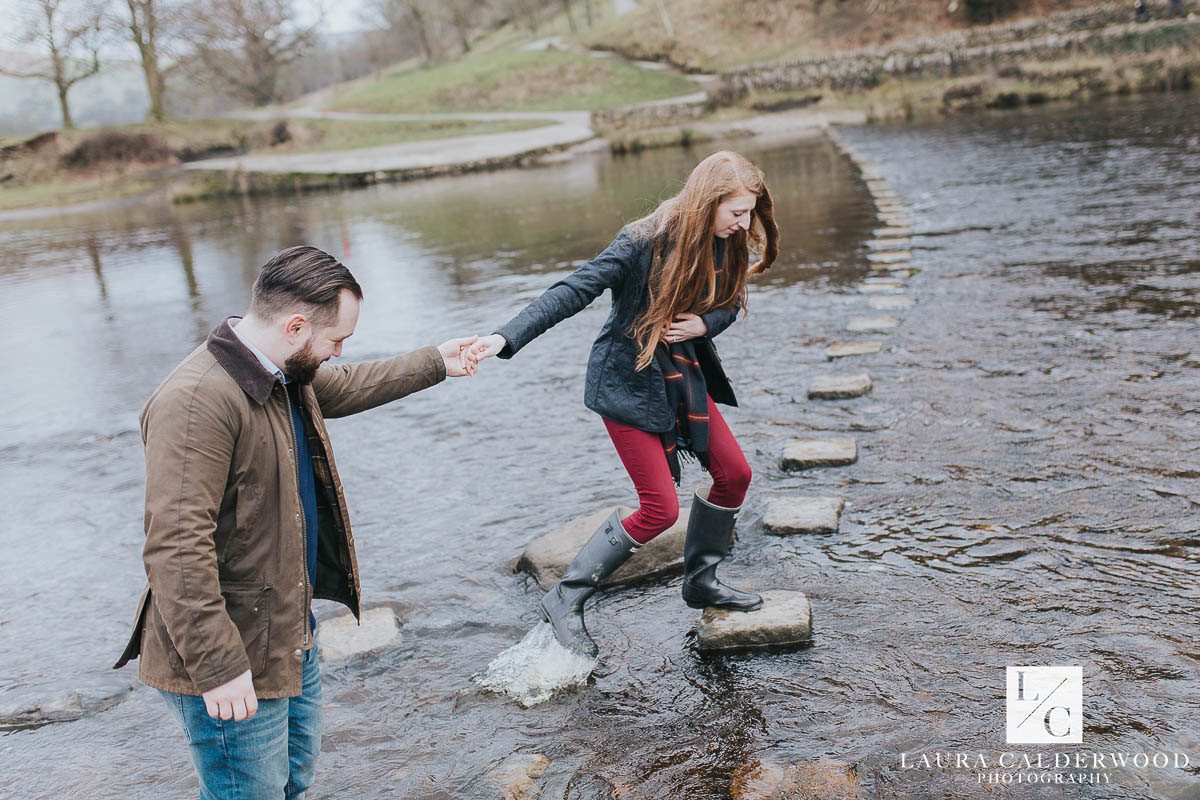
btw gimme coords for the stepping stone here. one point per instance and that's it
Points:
(891, 243)
(341, 637)
(819, 779)
(889, 207)
(785, 620)
(840, 387)
(844, 349)
(516, 777)
(882, 280)
(898, 271)
(547, 557)
(890, 302)
(878, 185)
(892, 231)
(789, 515)
(67, 701)
(890, 257)
(872, 324)
(801, 454)
(896, 220)
(890, 287)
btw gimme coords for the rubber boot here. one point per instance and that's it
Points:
(709, 537)
(609, 548)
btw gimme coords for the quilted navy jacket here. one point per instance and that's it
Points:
(614, 388)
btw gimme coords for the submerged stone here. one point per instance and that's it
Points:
(872, 324)
(839, 387)
(812, 453)
(546, 558)
(42, 704)
(844, 349)
(821, 779)
(341, 637)
(516, 778)
(790, 515)
(891, 302)
(785, 620)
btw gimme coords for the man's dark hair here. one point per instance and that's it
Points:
(302, 279)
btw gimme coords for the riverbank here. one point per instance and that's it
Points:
(389, 129)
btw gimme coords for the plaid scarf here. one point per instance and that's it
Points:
(687, 396)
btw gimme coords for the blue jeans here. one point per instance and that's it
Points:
(270, 756)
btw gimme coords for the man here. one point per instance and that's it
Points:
(246, 523)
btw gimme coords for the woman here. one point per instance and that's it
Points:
(678, 278)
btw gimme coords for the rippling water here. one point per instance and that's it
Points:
(1028, 489)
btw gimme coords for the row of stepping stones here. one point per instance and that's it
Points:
(786, 616)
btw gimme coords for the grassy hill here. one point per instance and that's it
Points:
(512, 79)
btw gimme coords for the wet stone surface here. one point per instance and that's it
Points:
(815, 453)
(820, 779)
(880, 323)
(785, 620)
(841, 386)
(847, 349)
(890, 302)
(792, 515)
(547, 557)
(342, 636)
(42, 704)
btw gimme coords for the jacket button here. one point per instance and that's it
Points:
(299, 653)
(300, 585)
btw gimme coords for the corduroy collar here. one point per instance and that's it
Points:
(242, 365)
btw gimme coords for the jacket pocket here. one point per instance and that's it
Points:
(248, 604)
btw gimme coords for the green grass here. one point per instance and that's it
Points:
(514, 80)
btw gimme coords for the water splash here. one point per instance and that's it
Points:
(535, 668)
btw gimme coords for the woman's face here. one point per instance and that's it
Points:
(734, 212)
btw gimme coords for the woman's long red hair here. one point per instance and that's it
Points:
(683, 274)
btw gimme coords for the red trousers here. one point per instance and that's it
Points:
(642, 454)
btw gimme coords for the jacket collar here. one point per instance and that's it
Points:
(241, 364)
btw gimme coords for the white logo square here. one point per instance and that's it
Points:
(1045, 705)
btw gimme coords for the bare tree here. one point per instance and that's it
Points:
(149, 23)
(70, 34)
(463, 15)
(402, 17)
(247, 44)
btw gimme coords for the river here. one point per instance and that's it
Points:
(1027, 490)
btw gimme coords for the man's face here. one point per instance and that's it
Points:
(323, 342)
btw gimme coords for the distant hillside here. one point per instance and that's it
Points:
(717, 34)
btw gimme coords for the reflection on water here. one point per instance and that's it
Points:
(1027, 487)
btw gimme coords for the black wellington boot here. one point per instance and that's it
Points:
(709, 537)
(609, 548)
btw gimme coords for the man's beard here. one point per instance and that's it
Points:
(300, 366)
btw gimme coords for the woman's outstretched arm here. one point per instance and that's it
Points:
(564, 299)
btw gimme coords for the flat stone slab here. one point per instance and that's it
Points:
(889, 256)
(42, 704)
(547, 557)
(785, 620)
(846, 349)
(878, 185)
(894, 230)
(790, 515)
(342, 637)
(881, 287)
(813, 453)
(872, 324)
(891, 302)
(891, 243)
(896, 220)
(840, 387)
